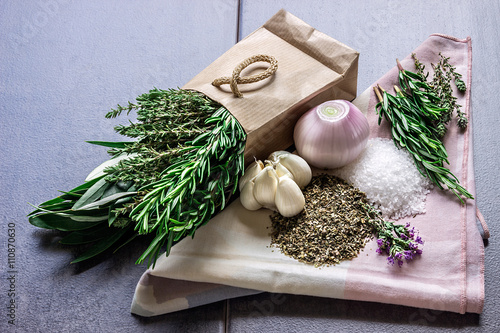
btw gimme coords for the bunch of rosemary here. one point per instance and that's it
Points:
(414, 113)
(180, 170)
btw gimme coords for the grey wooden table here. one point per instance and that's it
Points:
(64, 64)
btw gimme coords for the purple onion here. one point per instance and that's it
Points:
(331, 134)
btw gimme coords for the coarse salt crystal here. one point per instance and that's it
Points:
(389, 178)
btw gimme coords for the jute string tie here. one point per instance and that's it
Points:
(236, 79)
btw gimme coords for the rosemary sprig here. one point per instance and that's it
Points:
(411, 129)
(195, 187)
(422, 95)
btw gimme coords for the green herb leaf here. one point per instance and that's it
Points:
(122, 144)
(101, 246)
(52, 221)
(92, 193)
(106, 201)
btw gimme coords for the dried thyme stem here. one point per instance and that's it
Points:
(444, 74)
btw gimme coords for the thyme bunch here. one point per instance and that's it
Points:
(441, 84)
(166, 120)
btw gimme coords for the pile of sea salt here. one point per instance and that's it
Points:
(389, 178)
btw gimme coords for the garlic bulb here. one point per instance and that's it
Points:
(275, 184)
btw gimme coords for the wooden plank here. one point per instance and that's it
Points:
(64, 65)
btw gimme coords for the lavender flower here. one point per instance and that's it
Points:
(411, 232)
(380, 242)
(400, 242)
(409, 255)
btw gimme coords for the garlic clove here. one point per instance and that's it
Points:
(247, 198)
(289, 197)
(265, 184)
(301, 171)
(282, 171)
(251, 171)
(274, 157)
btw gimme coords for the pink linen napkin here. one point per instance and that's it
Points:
(231, 255)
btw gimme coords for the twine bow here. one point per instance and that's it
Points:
(236, 79)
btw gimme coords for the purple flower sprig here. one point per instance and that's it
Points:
(400, 242)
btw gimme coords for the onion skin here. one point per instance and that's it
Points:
(331, 134)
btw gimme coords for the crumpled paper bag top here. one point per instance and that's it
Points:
(312, 68)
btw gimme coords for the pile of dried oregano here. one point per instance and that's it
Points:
(335, 225)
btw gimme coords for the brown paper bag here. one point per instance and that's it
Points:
(312, 68)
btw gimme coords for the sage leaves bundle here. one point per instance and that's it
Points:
(181, 169)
